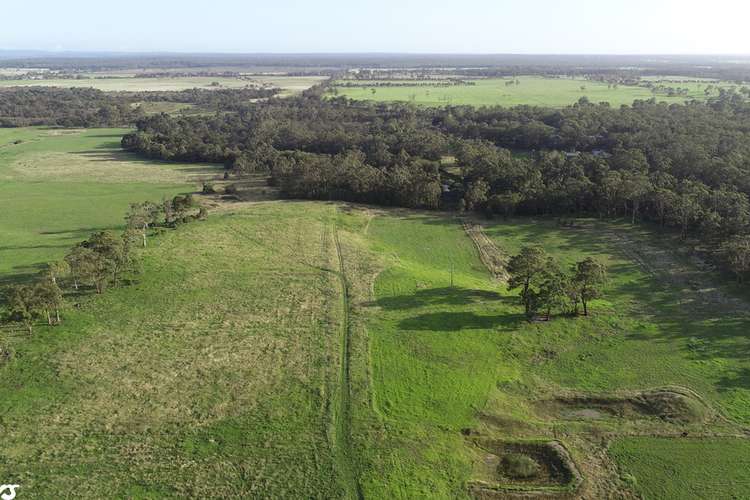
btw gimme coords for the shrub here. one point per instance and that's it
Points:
(518, 466)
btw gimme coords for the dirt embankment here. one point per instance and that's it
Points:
(664, 404)
(494, 259)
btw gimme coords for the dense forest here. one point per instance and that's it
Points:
(88, 107)
(685, 166)
(25, 106)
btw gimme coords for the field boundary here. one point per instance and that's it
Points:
(490, 254)
(343, 437)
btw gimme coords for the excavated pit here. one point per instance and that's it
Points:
(664, 404)
(524, 468)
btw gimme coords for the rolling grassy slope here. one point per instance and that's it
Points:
(213, 375)
(231, 368)
(447, 359)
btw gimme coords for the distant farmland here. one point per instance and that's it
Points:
(288, 84)
(536, 91)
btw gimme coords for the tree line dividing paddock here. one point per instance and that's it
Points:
(99, 262)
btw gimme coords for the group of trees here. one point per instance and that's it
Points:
(88, 107)
(685, 166)
(546, 287)
(27, 303)
(75, 107)
(99, 262)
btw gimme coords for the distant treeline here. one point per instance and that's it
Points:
(721, 67)
(86, 107)
(686, 166)
(78, 107)
(223, 99)
(411, 83)
(188, 74)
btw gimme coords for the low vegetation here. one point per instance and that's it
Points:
(526, 90)
(557, 323)
(213, 371)
(696, 468)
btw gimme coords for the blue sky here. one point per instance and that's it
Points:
(458, 26)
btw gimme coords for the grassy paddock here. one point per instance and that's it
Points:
(219, 370)
(59, 185)
(288, 84)
(445, 359)
(211, 375)
(666, 469)
(536, 91)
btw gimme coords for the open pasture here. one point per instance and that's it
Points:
(455, 363)
(214, 374)
(534, 91)
(59, 185)
(299, 349)
(696, 468)
(289, 84)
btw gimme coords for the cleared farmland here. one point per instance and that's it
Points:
(289, 84)
(214, 374)
(60, 185)
(312, 349)
(536, 91)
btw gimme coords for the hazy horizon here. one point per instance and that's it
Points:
(485, 27)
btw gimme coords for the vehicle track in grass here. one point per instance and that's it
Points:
(343, 432)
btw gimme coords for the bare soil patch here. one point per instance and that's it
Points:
(524, 469)
(494, 259)
(665, 404)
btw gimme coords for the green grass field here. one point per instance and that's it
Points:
(215, 374)
(446, 359)
(536, 91)
(289, 84)
(310, 349)
(690, 468)
(57, 186)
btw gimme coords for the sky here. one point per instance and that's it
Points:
(403, 26)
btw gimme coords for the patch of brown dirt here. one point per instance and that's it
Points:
(555, 474)
(665, 404)
(491, 256)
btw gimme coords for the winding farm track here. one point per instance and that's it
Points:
(343, 437)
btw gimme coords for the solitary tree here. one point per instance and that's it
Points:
(526, 272)
(554, 291)
(588, 278)
(56, 270)
(113, 253)
(79, 262)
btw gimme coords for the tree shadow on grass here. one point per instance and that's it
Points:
(460, 321)
(115, 154)
(739, 378)
(445, 296)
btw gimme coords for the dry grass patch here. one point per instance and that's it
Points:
(109, 165)
(212, 374)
